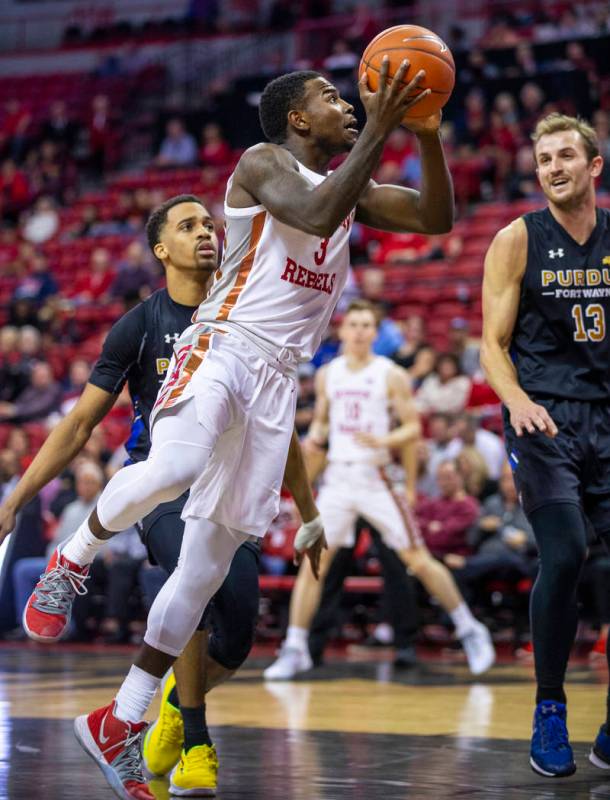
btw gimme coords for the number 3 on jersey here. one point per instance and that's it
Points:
(584, 333)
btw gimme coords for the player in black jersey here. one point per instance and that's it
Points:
(137, 351)
(546, 352)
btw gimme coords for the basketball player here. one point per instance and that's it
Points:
(356, 395)
(138, 350)
(546, 352)
(224, 416)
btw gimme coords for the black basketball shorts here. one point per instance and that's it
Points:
(574, 467)
(232, 613)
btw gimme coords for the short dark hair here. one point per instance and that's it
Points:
(158, 217)
(280, 96)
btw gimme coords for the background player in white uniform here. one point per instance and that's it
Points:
(356, 394)
(225, 414)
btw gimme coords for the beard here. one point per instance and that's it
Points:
(572, 201)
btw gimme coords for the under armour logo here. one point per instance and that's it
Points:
(556, 253)
(171, 337)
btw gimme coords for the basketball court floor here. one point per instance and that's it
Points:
(355, 728)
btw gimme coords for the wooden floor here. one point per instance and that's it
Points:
(354, 729)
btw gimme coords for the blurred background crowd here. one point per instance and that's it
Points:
(86, 153)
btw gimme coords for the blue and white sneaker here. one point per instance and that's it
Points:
(600, 752)
(551, 754)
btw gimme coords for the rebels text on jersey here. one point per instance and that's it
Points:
(137, 351)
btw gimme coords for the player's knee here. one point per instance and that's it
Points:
(231, 648)
(418, 560)
(172, 476)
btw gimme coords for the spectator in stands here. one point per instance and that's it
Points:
(306, 398)
(363, 27)
(39, 284)
(215, 151)
(441, 446)
(501, 33)
(59, 127)
(446, 389)
(102, 135)
(178, 148)
(475, 474)
(53, 173)
(16, 127)
(478, 69)
(14, 190)
(22, 312)
(525, 62)
(522, 181)
(341, 65)
(446, 520)
(78, 375)
(532, 100)
(282, 15)
(401, 247)
(502, 540)
(19, 442)
(9, 472)
(488, 444)
(36, 401)
(134, 275)
(601, 123)
(16, 366)
(465, 350)
(42, 222)
(93, 285)
(415, 354)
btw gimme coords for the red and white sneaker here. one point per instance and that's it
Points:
(116, 748)
(47, 613)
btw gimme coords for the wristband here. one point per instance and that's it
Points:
(308, 534)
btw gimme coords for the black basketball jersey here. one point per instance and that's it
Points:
(138, 350)
(561, 343)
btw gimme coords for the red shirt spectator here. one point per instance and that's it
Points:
(401, 247)
(95, 283)
(14, 188)
(445, 520)
(215, 151)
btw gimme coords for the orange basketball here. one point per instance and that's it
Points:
(424, 50)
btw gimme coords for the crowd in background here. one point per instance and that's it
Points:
(57, 196)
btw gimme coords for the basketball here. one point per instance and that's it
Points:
(424, 50)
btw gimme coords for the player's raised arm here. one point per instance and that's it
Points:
(429, 210)
(268, 174)
(64, 443)
(504, 270)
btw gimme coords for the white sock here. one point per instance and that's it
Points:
(135, 695)
(462, 618)
(83, 547)
(296, 638)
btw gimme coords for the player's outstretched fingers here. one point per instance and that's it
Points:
(397, 80)
(383, 75)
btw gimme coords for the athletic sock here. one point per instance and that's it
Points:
(172, 699)
(296, 638)
(135, 695)
(195, 727)
(555, 693)
(462, 618)
(82, 548)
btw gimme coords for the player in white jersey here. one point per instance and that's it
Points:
(223, 421)
(356, 395)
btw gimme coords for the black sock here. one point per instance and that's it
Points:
(173, 700)
(555, 693)
(195, 727)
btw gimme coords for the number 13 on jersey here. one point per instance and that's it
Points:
(590, 323)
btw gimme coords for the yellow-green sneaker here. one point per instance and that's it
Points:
(164, 738)
(196, 774)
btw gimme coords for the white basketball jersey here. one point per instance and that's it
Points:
(275, 282)
(358, 402)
